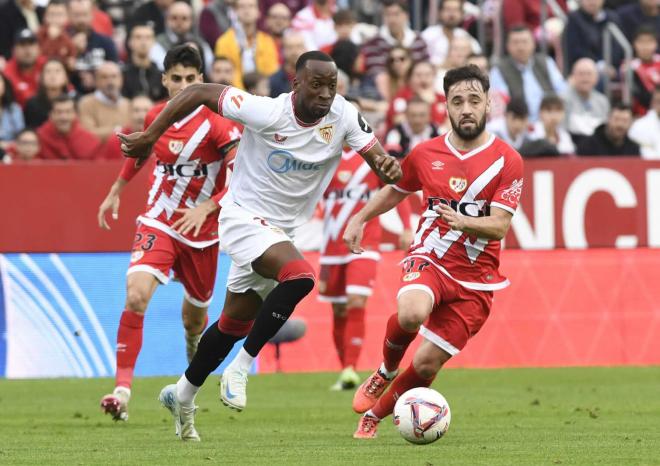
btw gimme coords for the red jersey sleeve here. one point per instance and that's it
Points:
(409, 182)
(507, 194)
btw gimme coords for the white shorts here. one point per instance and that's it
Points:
(245, 236)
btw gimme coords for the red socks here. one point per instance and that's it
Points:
(354, 335)
(396, 343)
(404, 382)
(348, 335)
(129, 343)
(338, 335)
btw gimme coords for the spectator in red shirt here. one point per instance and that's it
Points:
(420, 84)
(53, 82)
(25, 148)
(54, 40)
(24, 67)
(62, 137)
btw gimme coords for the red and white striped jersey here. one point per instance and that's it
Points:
(349, 190)
(190, 168)
(471, 183)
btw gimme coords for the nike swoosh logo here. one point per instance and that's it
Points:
(229, 394)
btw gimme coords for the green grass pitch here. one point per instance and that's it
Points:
(577, 416)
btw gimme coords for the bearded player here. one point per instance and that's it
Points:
(472, 182)
(176, 232)
(346, 280)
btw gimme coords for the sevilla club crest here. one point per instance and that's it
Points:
(175, 146)
(457, 184)
(327, 132)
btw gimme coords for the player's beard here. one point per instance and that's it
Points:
(469, 134)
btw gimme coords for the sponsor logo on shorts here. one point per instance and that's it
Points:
(281, 161)
(458, 184)
(411, 276)
(280, 139)
(137, 255)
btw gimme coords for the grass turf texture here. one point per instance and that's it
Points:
(578, 416)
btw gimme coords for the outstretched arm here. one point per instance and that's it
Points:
(384, 165)
(384, 200)
(138, 145)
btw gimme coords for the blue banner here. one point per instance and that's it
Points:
(59, 315)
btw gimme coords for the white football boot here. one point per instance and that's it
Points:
(184, 416)
(232, 388)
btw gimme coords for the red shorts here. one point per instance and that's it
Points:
(337, 281)
(156, 252)
(458, 312)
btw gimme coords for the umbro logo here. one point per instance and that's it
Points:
(437, 165)
(280, 139)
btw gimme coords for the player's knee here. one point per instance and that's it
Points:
(413, 309)
(356, 300)
(411, 315)
(137, 299)
(301, 273)
(194, 324)
(339, 309)
(426, 366)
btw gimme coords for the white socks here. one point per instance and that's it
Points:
(388, 375)
(185, 391)
(242, 362)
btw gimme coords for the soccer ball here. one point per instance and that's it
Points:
(422, 415)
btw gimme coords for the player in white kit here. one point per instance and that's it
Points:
(290, 148)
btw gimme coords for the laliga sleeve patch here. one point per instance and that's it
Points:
(364, 126)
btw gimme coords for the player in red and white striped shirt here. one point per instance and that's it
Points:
(471, 182)
(177, 231)
(346, 279)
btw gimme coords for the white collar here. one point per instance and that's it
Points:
(475, 151)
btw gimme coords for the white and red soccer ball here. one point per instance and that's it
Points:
(422, 415)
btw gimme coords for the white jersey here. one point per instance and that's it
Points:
(283, 165)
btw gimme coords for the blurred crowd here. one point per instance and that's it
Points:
(74, 73)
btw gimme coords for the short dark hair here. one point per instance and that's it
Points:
(62, 98)
(344, 17)
(312, 55)
(222, 58)
(519, 28)
(400, 3)
(465, 73)
(417, 100)
(184, 55)
(551, 101)
(517, 107)
(645, 30)
(620, 106)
